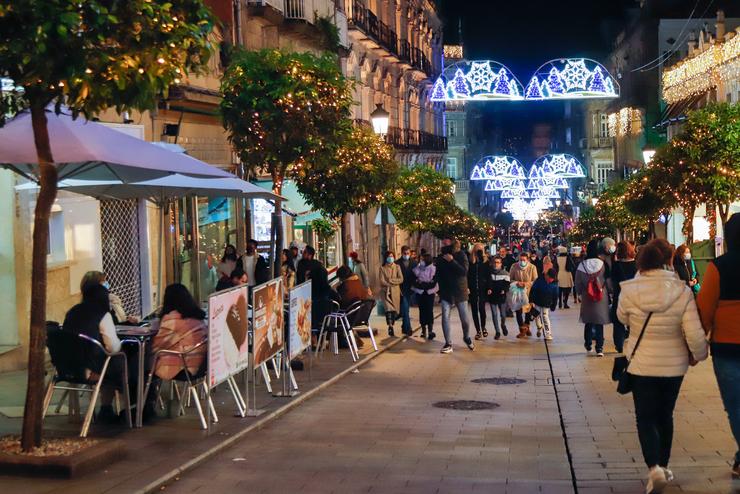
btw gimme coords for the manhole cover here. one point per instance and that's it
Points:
(466, 405)
(499, 380)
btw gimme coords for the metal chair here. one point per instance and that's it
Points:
(198, 379)
(331, 324)
(71, 355)
(358, 316)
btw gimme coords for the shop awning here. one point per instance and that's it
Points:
(293, 204)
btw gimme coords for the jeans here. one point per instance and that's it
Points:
(655, 399)
(426, 310)
(727, 370)
(498, 314)
(462, 310)
(619, 331)
(593, 332)
(543, 319)
(522, 319)
(478, 308)
(405, 308)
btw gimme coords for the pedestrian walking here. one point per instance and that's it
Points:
(577, 256)
(566, 268)
(478, 275)
(544, 296)
(391, 279)
(522, 275)
(624, 268)
(407, 266)
(671, 339)
(685, 268)
(453, 288)
(358, 268)
(590, 284)
(507, 259)
(426, 287)
(719, 305)
(498, 287)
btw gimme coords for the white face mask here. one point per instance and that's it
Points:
(612, 249)
(687, 256)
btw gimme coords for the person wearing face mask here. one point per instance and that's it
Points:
(358, 268)
(425, 287)
(227, 263)
(453, 292)
(685, 268)
(407, 266)
(498, 287)
(391, 279)
(608, 248)
(478, 276)
(590, 284)
(117, 310)
(254, 265)
(523, 274)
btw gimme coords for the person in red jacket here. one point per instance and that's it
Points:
(719, 306)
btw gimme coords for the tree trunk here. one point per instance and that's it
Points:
(32, 425)
(346, 236)
(277, 224)
(688, 224)
(724, 212)
(711, 210)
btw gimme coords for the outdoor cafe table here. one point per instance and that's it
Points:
(140, 335)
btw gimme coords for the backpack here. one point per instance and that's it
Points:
(594, 291)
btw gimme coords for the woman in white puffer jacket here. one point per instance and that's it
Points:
(673, 340)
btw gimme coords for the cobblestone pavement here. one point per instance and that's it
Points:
(377, 431)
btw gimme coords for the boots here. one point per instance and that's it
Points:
(522, 332)
(431, 333)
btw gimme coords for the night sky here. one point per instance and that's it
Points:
(523, 35)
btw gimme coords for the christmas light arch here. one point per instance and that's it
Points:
(498, 167)
(559, 166)
(477, 80)
(571, 78)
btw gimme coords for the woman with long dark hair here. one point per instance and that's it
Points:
(685, 268)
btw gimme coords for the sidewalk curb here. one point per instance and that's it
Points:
(174, 473)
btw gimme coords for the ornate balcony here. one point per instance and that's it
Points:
(411, 140)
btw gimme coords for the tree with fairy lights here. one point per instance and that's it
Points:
(421, 200)
(465, 227)
(643, 200)
(555, 82)
(284, 111)
(89, 56)
(351, 180)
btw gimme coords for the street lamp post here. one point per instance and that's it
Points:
(380, 120)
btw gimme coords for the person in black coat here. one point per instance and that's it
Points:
(478, 279)
(498, 287)
(407, 266)
(507, 260)
(453, 291)
(623, 268)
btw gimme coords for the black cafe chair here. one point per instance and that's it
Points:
(71, 354)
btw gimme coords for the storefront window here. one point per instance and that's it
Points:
(327, 251)
(216, 229)
(262, 214)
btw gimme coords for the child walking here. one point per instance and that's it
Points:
(498, 287)
(544, 296)
(425, 287)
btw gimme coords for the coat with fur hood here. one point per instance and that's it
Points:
(592, 312)
(673, 331)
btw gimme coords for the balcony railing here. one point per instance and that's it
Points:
(305, 10)
(409, 139)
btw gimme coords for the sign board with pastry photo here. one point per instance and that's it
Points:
(300, 318)
(268, 320)
(228, 345)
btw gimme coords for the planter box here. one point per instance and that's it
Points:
(95, 457)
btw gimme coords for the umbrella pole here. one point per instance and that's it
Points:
(163, 207)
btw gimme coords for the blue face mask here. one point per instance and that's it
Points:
(390, 260)
(106, 285)
(406, 257)
(523, 264)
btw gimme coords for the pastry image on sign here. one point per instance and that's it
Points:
(236, 321)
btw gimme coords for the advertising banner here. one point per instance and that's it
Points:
(228, 345)
(268, 320)
(300, 318)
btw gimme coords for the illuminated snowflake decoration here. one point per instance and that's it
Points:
(480, 76)
(492, 167)
(560, 165)
(575, 75)
(515, 193)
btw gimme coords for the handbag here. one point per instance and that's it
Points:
(621, 365)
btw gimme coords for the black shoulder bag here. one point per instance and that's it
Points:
(621, 365)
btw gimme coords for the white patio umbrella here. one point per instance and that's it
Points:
(160, 191)
(87, 150)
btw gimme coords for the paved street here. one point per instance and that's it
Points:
(377, 431)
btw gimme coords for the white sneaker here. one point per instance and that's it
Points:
(668, 474)
(656, 481)
(600, 354)
(548, 336)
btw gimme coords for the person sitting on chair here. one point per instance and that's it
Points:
(350, 288)
(116, 305)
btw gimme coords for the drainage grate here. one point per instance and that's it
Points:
(499, 380)
(466, 405)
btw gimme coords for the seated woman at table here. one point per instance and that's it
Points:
(181, 327)
(238, 277)
(92, 318)
(350, 288)
(116, 305)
